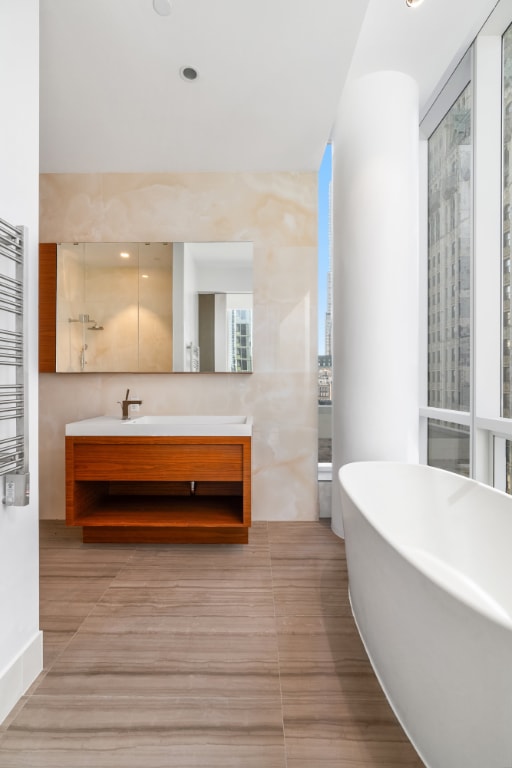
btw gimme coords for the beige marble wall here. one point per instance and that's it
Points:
(278, 212)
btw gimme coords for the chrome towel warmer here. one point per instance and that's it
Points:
(13, 404)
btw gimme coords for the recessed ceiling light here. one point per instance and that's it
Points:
(162, 7)
(189, 73)
(413, 3)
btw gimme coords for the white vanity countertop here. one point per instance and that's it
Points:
(180, 426)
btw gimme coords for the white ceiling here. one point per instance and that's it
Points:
(271, 74)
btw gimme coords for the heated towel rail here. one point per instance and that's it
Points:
(13, 405)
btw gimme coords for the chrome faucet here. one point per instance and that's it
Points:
(125, 404)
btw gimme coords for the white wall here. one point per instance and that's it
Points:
(375, 274)
(190, 300)
(178, 307)
(20, 639)
(224, 279)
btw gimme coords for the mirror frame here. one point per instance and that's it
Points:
(47, 307)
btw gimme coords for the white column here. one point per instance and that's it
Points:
(375, 274)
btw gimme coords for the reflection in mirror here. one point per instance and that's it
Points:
(154, 307)
(225, 317)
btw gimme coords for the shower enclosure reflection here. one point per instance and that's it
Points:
(85, 320)
(154, 307)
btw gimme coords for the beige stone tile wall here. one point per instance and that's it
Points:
(278, 213)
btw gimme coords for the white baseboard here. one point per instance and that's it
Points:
(17, 678)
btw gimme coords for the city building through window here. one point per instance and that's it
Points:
(449, 270)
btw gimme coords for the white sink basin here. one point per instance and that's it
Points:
(207, 426)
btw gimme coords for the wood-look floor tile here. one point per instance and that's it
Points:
(310, 601)
(13, 714)
(63, 616)
(201, 555)
(215, 579)
(193, 657)
(75, 587)
(302, 532)
(318, 648)
(54, 643)
(288, 532)
(337, 631)
(64, 603)
(77, 731)
(335, 728)
(310, 578)
(258, 534)
(83, 563)
(306, 569)
(352, 754)
(168, 627)
(52, 619)
(55, 533)
(159, 755)
(197, 639)
(340, 678)
(357, 756)
(227, 600)
(196, 679)
(323, 654)
(193, 567)
(173, 664)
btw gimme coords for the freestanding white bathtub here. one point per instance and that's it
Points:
(429, 557)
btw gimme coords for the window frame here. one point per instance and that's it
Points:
(459, 80)
(489, 431)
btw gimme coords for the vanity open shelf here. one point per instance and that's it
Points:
(159, 489)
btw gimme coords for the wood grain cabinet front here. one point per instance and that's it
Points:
(159, 489)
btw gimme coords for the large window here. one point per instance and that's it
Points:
(506, 366)
(449, 252)
(449, 284)
(448, 446)
(466, 408)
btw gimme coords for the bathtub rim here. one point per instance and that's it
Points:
(504, 621)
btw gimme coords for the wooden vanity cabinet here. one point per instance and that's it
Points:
(159, 489)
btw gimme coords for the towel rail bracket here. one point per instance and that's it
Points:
(16, 489)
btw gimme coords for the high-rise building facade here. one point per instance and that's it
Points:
(506, 392)
(449, 200)
(240, 338)
(449, 282)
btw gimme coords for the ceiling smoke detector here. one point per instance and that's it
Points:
(162, 7)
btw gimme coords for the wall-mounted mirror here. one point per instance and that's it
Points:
(153, 307)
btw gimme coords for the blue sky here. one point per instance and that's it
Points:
(324, 177)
